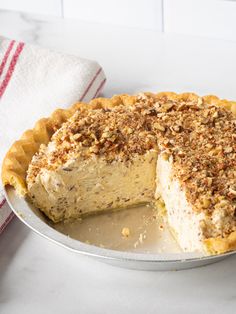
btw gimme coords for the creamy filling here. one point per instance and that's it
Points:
(184, 222)
(85, 186)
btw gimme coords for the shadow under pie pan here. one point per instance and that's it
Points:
(134, 238)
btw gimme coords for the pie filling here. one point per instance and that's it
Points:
(181, 152)
(183, 220)
(82, 187)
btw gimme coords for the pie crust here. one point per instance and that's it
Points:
(19, 156)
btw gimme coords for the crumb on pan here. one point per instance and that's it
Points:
(125, 232)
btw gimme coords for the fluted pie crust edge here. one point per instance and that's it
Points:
(18, 158)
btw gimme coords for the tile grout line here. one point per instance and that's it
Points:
(162, 17)
(62, 9)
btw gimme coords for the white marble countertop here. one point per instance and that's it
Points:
(37, 276)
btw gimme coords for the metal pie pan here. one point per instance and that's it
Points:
(122, 256)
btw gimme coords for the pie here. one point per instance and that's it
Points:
(128, 150)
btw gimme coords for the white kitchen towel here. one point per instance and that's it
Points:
(33, 82)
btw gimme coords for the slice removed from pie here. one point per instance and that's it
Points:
(127, 150)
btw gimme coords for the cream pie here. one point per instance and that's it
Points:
(128, 150)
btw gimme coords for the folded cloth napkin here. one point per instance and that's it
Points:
(33, 82)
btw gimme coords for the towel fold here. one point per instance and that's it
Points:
(34, 82)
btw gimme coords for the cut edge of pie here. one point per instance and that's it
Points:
(18, 158)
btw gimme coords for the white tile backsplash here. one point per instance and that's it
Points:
(51, 7)
(208, 18)
(134, 13)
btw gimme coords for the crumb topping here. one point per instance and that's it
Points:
(200, 141)
(198, 138)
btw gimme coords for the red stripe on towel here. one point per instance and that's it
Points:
(99, 88)
(2, 202)
(7, 53)
(90, 84)
(11, 68)
(9, 218)
(3, 87)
